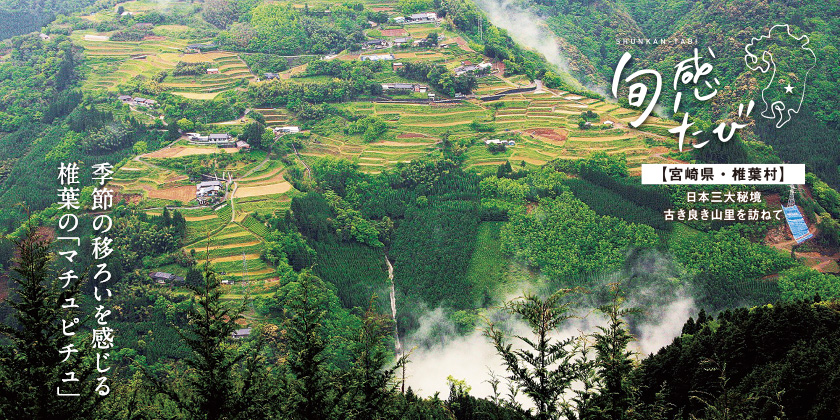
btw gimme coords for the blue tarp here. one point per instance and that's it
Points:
(797, 224)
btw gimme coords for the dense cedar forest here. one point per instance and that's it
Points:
(352, 260)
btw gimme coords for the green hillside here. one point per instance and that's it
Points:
(398, 209)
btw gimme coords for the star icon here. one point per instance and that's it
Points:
(788, 88)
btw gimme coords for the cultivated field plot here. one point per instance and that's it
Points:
(181, 151)
(544, 126)
(231, 248)
(274, 117)
(271, 184)
(147, 181)
(112, 62)
(232, 73)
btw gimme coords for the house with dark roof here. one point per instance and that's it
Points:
(398, 86)
(202, 47)
(469, 68)
(219, 138)
(374, 44)
(240, 333)
(429, 17)
(161, 277)
(207, 188)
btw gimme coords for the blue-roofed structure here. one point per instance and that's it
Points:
(797, 225)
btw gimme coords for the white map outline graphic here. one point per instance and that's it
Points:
(767, 57)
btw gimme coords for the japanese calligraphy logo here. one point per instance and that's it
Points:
(787, 56)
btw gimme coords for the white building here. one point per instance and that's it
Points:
(497, 141)
(207, 188)
(473, 68)
(219, 138)
(398, 86)
(241, 333)
(287, 129)
(428, 17)
(378, 57)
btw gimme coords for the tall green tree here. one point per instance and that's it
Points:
(370, 386)
(614, 363)
(253, 133)
(223, 380)
(32, 367)
(307, 394)
(545, 367)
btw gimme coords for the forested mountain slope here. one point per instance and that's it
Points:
(21, 16)
(775, 360)
(393, 184)
(594, 35)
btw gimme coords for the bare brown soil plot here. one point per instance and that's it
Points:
(446, 124)
(394, 32)
(399, 144)
(603, 138)
(200, 218)
(189, 151)
(163, 153)
(411, 136)
(463, 44)
(550, 133)
(278, 188)
(184, 194)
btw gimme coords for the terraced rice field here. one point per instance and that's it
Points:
(544, 126)
(112, 62)
(226, 248)
(274, 117)
(139, 178)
